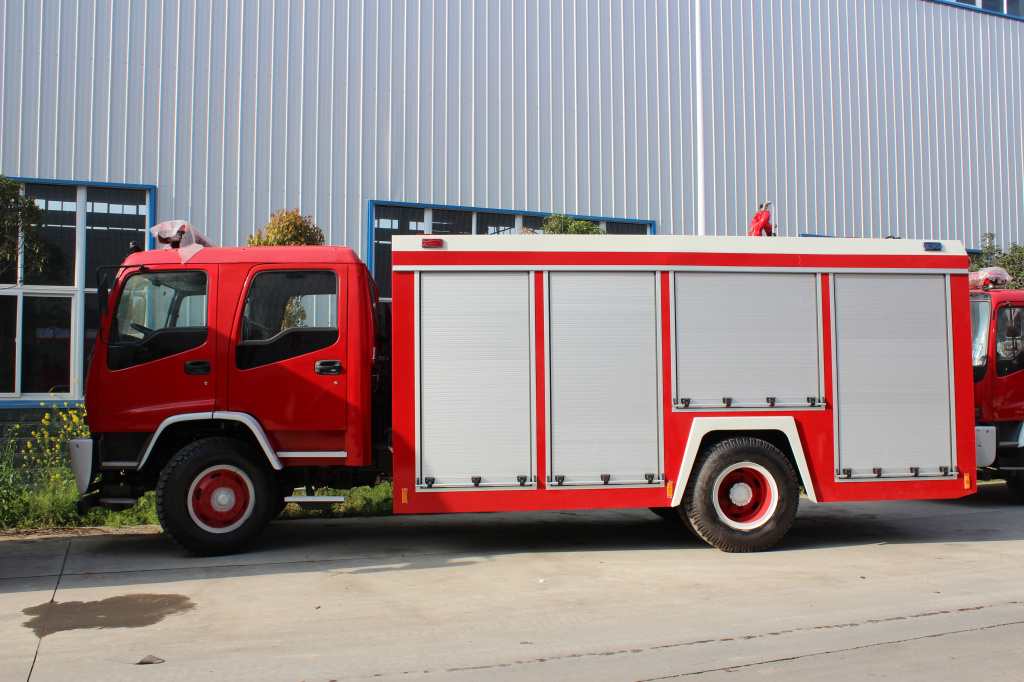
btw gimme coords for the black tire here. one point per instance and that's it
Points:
(674, 515)
(1015, 481)
(743, 495)
(215, 496)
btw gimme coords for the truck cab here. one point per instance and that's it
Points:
(267, 350)
(997, 350)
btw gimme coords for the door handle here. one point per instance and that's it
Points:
(197, 367)
(328, 367)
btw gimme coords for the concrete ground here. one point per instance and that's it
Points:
(908, 590)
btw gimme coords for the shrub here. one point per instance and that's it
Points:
(563, 224)
(288, 228)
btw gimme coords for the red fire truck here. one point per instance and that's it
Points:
(707, 378)
(998, 359)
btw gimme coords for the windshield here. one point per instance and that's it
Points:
(981, 316)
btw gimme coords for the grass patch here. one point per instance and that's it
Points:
(37, 484)
(34, 496)
(361, 501)
(38, 489)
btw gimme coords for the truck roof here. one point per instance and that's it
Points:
(1000, 295)
(686, 243)
(248, 254)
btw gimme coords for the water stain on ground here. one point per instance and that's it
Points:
(127, 611)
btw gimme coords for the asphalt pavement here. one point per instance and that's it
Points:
(908, 590)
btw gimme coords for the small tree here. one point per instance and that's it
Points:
(563, 224)
(19, 219)
(288, 228)
(992, 255)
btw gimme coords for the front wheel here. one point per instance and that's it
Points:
(215, 496)
(743, 496)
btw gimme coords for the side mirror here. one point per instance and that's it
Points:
(104, 293)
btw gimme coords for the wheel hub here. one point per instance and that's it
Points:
(740, 494)
(221, 498)
(745, 496)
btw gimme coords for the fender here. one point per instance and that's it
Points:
(246, 419)
(702, 426)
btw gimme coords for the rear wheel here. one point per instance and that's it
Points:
(743, 496)
(215, 496)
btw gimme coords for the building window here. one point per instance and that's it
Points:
(495, 223)
(626, 228)
(49, 318)
(389, 220)
(57, 234)
(1014, 8)
(452, 222)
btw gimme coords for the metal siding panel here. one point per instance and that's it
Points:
(505, 103)
(65, 86)
(31, 85)
(131, 104)
(520, 107)
(116, 105)
(101, 88)
(240, 125)
(200, 70)
(603, 375)
(455, 65)
(49, 64)
(439, 75)
(475, 377)
(714, 312)
(891, 414)
(322, 116)
(567, 120)
(148, 111)
(309, 94)
(583, 114)
(216, 131)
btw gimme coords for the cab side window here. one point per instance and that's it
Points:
(1009, 341)
(287, 314)
(158, 314)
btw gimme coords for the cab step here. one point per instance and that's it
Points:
(313, 502)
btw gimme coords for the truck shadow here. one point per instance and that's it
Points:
(414, 543)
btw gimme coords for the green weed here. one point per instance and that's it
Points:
(361, 501)
(37, 484)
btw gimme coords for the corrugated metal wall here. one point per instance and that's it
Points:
(858, 117)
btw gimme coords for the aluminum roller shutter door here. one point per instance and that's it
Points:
(603, 376)
(475, 377)
(893, 384)
(748, 337)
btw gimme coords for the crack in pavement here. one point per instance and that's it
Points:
(834, 626)
(53, 595)
(834, 651)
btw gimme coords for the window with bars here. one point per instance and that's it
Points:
(49, 318)
(389, 220)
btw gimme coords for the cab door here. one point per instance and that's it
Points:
(1008, 382)
(160, 352)
(287, 359)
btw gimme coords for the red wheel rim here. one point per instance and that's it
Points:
(745, 496)
(220, 499)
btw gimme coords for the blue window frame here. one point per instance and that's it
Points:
(386, 219)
